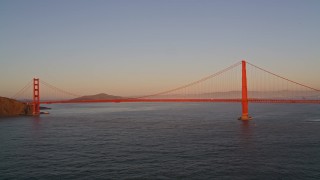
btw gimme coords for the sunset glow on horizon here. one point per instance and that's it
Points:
(142, 47)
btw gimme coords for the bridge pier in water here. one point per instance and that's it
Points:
(36, 97)
(244, 102)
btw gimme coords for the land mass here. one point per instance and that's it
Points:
(96, 97)
(11, 107)
(229, 94)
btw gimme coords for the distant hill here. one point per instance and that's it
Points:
(226, 95)
(96, 97)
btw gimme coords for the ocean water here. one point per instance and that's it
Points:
(163, 141)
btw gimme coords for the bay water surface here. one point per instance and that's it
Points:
(162, 141)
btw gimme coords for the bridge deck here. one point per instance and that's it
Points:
(304, 101)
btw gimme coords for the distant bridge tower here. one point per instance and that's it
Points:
(245, 114)
(36, 96)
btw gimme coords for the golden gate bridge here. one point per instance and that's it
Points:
(241, 82)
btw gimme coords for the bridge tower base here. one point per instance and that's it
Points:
(245, 114)
(36, 97)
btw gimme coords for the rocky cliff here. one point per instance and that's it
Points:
(10, 107)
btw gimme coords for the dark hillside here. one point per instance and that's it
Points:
(11, 107)
(96, 96)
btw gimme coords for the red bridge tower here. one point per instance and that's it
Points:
(36, 96)
(244, 102)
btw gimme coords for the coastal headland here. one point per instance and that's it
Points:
(11, 107)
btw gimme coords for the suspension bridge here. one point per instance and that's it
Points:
(241, 82)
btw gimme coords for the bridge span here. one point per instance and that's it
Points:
(231, 85)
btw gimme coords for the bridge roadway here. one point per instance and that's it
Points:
(256, 100)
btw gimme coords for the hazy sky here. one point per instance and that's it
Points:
(144, 46)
